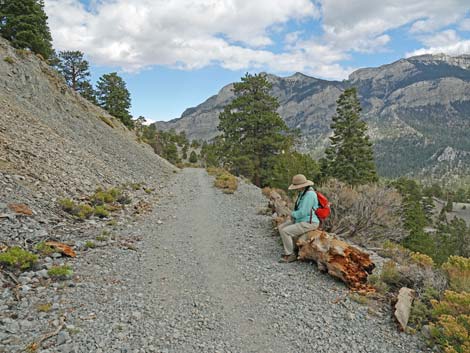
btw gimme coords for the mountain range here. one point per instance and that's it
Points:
(417, 110)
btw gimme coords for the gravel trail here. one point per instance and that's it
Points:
(216, 285)
(205, 278)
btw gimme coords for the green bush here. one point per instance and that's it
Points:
(60, 272)
(390, 274)
(458, 271)
(85, 211)
(9, 60)
(101, 212)
(452, 327)
(69, 206)
(90, 245)
(16, 257)
(44, 249)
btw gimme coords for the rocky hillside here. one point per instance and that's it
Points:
(55, 144)
(417, 109)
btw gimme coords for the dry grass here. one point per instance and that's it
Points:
(227, 182)
(106, 120)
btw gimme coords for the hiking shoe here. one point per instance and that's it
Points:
(288, 258)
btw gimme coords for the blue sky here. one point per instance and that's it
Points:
(174, 54)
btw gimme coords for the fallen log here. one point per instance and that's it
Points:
(337, 257)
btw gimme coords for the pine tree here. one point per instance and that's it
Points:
(24, 24)
(114, 97)
(349, 157)
(252, 130)
(74, 68)
(86, 90)
(193, 157)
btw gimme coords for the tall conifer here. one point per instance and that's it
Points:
(24, 24)
(114, 97)
(252, 130)
(349, 157)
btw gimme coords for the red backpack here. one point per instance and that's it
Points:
(323, 210)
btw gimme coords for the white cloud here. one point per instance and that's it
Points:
(236, 34)
(360, 25)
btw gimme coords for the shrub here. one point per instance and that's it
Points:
(378, 284)
(60, 272)
(136, 186)
(100, 211)
(90, 245)
(369, 214)
(452, 303)
(16, 257)
(421, 259)
(9, 60)
(458, 271)
(227, 182)
(106, 120)
(44, 308)
(85, 211)
(390, 274)
(44, 249)
(69, 206)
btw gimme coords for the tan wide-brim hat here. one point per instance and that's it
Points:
(299, 181)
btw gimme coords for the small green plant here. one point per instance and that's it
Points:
(104, 235)
(361, 299)
(136, 186)
(44, 249)
(85, 211)
(69, 206)
(390, 274)
(112, 223)
(90, 244)
(44, 308)
(9, 60)
(378, 284)
(148, 191)
(16, 257)
(60, 272)
(101, 212)
(106, 120)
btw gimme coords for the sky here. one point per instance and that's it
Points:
(174, 54)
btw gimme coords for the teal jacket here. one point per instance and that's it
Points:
(306, 205)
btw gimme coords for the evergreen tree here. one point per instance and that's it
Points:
(289, 164)
(114, 97)
(86, 90)
(74, 68)
(252, 130)
(349, 157)
(24, 24)
(193, 157)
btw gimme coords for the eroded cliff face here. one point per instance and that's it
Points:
(415, 108)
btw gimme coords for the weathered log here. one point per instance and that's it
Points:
(340, 259)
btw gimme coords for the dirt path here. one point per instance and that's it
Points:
(205, 278)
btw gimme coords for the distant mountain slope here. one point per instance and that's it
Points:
(417, 109)
(54, 143)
